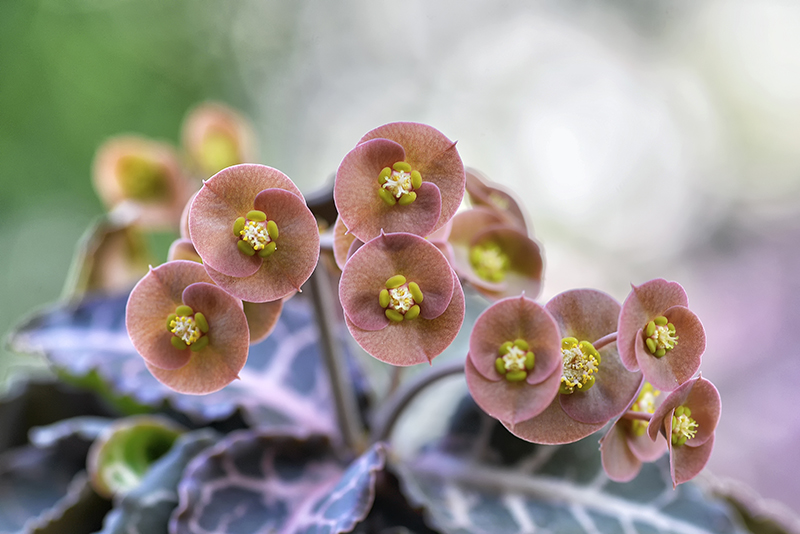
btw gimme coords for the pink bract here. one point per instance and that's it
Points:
(623, 450)
(644, 303)
(586, 315)
(427, 151)
(231, 194)
(702, 398)
(508, 320)
(368, 269)
(215, 136)
(417, 341)
(156, 297)
(144, 174)
(481, 227)
(410, 341)
(503, 202)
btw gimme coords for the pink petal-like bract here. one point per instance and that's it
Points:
(292, 263)
(156, 297)
(215, 136)
(510, 319)
(702, 397)
(496, 198)
(361, 208)
(552, 427)
(589, 315)
(369, 268)
(434, 156)
(682, 362)
(415, 341)
(225, 197)
(511, 402)
(144, 174)
(643, 304)
(619, 462)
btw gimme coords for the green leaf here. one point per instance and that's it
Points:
(278, 483)
(480, 479)
(146, 509)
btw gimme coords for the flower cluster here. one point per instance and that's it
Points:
(552, 373)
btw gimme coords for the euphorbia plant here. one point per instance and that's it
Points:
(243, 320)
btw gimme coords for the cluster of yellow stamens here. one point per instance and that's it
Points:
(515, 360)
(684, 427)
(489, 261)
(646, 403)
(256, 234)
(659, 336)
(188, 329)
(580, 363)
(398, 183)
(400, 299)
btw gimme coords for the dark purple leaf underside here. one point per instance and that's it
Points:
(268, 482)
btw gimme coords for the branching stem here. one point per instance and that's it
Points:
(385, 419)
(345, 402)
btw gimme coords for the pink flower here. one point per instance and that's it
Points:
(192, 335)
(688, 418)
(146, 175)
(626, 445)
(497, 259)
(215, 137)
(401, 177)
(513, 368)
(402, 302)
(658, 334)
(595, 386)
(256, 236)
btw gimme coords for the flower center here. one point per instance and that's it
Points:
(188, 329)
(660, 336)
(515, 360)
(401, 299)
(397, 184)
(489, 261)
(684, 427)
(580, 363)
(256, 234)
(645, 402)
(142, 179)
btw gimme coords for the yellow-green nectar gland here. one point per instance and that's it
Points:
(397, 184)
(256, 234)
(188, 329)
(489, 261)
(660, 336)
(401, 299)
(515, 360)
(645, 402)
(581, 362)
(142, 179)
(684, 427)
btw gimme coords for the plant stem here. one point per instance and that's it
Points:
(605, 340)
(385, 419)
(345, 402)
(641, 416)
